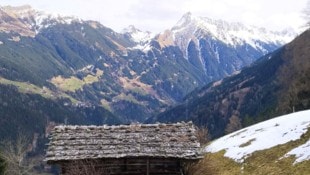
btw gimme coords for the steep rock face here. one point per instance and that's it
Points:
(218, 48)
(276, 84)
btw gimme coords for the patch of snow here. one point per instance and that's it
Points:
(141, 37)
(301, 153)
(145, 48)
(99, 58)
(88, 68)
(217, 55)
(260, 47)
(236, 72)
(217, 83)
(44, 20)
(202, 61)
(280, 130)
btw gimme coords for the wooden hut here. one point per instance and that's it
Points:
(137, 149)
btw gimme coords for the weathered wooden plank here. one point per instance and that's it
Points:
(145, 166)
(148, 166)
(148, 140)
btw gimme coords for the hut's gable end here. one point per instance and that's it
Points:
(138, 140)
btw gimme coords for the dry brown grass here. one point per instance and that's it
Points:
(72, 83)
(270, 161)
(215, 164)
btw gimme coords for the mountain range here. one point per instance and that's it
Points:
(218, 48)
(66, 70)
(223, 76)
(276, 84)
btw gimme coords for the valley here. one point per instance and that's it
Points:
(223, 76)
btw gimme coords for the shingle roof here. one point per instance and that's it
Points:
(136, 140)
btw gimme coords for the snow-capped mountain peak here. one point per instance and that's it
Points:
(141, 38)
(214, 46)
(27, 21)
(240, 144)
(185, 20)
(131, 29)
(138, 36)
(44, 20)
(233, 33)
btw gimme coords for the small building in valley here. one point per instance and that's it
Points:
(137, 149)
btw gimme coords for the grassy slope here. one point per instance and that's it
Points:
(73, 83)
(260, 163)
(25, 87)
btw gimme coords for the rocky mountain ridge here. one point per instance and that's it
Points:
(219, 48)
(231, 33)
(28, 22)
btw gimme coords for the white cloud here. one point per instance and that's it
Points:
(157, 15)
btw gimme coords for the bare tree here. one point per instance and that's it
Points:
(203, 135)
(234, 124)
(14, 155)
(2, 165)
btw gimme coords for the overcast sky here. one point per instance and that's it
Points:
(158, 15)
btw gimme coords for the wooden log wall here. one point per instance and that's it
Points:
(124, 166)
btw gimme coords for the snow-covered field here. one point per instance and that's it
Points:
(280, 130)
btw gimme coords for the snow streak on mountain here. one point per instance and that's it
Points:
(190, 27)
